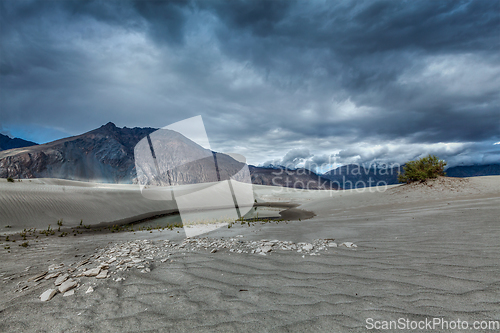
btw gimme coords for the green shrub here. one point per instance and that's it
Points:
(10, 180)
(422, 169)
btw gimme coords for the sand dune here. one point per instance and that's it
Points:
(38, 203)
(41, 202)
(422, 253)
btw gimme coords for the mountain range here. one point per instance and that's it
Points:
(8, 143)
(473, 170)
(106, 155)
(356, 176)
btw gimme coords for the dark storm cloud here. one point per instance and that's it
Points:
(363, 49)
(267, 76)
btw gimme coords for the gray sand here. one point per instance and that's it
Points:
(423, 252)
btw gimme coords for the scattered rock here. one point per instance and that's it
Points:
(52, 275)
(92, 272)
(81, 263)
(102, 275)
(47, 295)
(61, 279)
(69, 293)
(37, 277)
(307, 247)
(138, 254)
(67, 285)
(265, 249)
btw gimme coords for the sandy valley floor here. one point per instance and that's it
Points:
(423, 251)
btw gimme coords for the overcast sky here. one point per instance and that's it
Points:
(277, 81)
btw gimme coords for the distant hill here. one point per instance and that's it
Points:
(8, 143)
(354, 176)
(106, 155)
(474, 170)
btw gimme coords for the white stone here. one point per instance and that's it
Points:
(308, 247)
(52, 275)
(103, 274)
(90, 290)
(332, 244)
(348, 244)
(61, 279)
(47, 295)
(35, 278)
(92, 272)
(67, 285)
(69, 293)
(265, 248)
